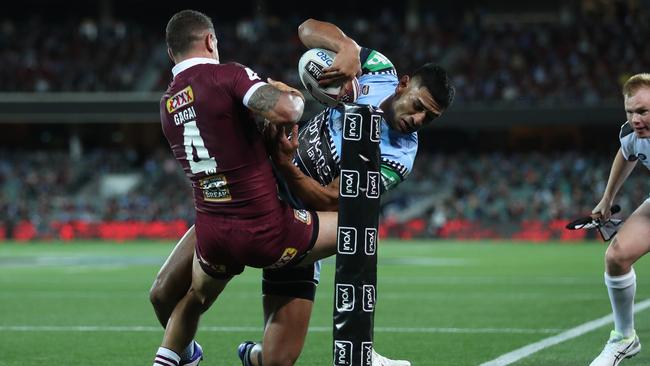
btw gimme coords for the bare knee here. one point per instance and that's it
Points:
(618, 260)
(158, 294)
(199, 300)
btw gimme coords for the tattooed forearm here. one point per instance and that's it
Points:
(264, 98)
(276, 105)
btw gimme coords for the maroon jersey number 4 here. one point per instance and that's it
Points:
(214, 137)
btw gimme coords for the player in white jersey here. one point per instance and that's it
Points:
(633, 239)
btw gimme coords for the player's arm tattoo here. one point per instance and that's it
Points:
(264, 99)
(276, 104)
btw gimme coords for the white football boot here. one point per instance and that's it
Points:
(379, 360)
(617, 349)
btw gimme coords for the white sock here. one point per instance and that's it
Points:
(621, 294)
(188, 352)
(166, 357)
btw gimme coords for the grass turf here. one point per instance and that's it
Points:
(438, 303)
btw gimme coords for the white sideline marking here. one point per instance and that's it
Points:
(518, 354)
(93, 328)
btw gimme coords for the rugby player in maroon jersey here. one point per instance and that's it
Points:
(289, 292)
(208, 117)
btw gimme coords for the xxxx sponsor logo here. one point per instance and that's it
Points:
(180, 99)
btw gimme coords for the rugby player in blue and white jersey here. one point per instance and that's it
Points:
(310, 167)
(633, 239)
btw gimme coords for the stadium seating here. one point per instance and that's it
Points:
(474, 195)
(570, 55)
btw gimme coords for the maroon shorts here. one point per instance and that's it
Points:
(225, 244)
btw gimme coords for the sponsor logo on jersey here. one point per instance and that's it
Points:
(180, 99)
(352, 126)
(371, 241)
(342, 353)
(349, 183)
(314, 152)
(344, 297)
(366, 353)
(347, 240)
(368, 298)
(389, 177)
(376, 62)
(375, 128)
(372, 187)
(286, 257)
(365, 89)
(303, 216)
(215, 188)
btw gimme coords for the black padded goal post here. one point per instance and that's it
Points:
(358, 221)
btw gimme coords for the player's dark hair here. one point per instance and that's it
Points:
(436, 80)
(186, 27)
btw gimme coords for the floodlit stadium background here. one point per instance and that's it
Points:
(526, 146)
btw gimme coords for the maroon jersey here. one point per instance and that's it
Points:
(214, 137)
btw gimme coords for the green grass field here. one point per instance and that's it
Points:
(438, 303)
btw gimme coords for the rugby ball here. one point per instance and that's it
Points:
(310, 67)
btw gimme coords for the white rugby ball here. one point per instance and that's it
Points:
(310, 67)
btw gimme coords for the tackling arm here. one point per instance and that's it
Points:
(305, 188)
(277, 103)
(326, 198)
(309, 191)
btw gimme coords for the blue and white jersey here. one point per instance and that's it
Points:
(320, 138)
(633, 147)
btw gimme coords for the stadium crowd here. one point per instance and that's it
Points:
(577, 54)
(44, 187)
(490, 187)
(505, 188)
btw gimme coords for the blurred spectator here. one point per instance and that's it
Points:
(42, 187)
(578, 54)
(496, 187)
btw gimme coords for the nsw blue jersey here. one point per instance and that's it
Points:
(320, 138)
